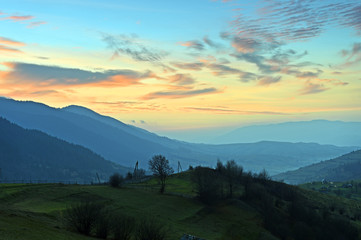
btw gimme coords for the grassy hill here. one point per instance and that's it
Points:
(344, 168)
(34, 211)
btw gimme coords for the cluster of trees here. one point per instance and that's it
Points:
(94, 219)
(158, 165)
(287, 212)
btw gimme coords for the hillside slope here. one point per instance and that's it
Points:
(33, 155)
(270, 211)
(344, 168)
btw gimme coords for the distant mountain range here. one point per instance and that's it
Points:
(125, 144)
(343, 168)
(33, 155)
(318, 131)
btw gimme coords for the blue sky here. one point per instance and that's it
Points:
(176, 66)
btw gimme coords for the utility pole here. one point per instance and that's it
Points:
(135, 174)
(179, 167)
(98, 178)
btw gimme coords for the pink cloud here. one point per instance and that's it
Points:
(35, 24)
(19, 18)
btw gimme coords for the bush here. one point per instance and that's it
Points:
(116, 180)
(122, 227)
(82, 216)
(149, 229)
(102, 225)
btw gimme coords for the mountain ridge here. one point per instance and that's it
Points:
(31, 154)
(338, 133)
(126, 147)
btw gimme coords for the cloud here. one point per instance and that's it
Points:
(267, 80)
(11, 42)
(300, 74)
(53, 75)
(132, 47)
(36, 24)
(18, 18)
(9, 49)
(189, 66)
(258, 60)
(224, 110)
(179, 93)
(335, 82)
(295, 21)
(211, 43)
(45, 92)
(352, 55)
(195, 44)
(312, 88)
(181, 79)
(220, 69)
(248, 76)
(245, 45)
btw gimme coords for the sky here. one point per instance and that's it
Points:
(186, 69)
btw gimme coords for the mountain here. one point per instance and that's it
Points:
(318, 131)
(33, 155)
(344, 168)
(125, 144)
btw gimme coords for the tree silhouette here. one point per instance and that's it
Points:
(159, 165)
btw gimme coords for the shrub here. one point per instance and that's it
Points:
(122, 227)
(82, 216)
(149, 229)
(116, 180)
(102, 225)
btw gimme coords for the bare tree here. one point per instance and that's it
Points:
(159, 165)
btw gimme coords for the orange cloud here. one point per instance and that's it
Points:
(8, 49)
(192, 44)
(19, 18)
(223, 110)
(42, 75)
(180, 93)
(8, 41)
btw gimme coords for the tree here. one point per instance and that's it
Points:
(159, 165)
(116, 180)
(207, 183)
(231, 172)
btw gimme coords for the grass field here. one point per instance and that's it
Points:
(34, 211)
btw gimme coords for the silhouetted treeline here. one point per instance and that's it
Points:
(286, 210)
